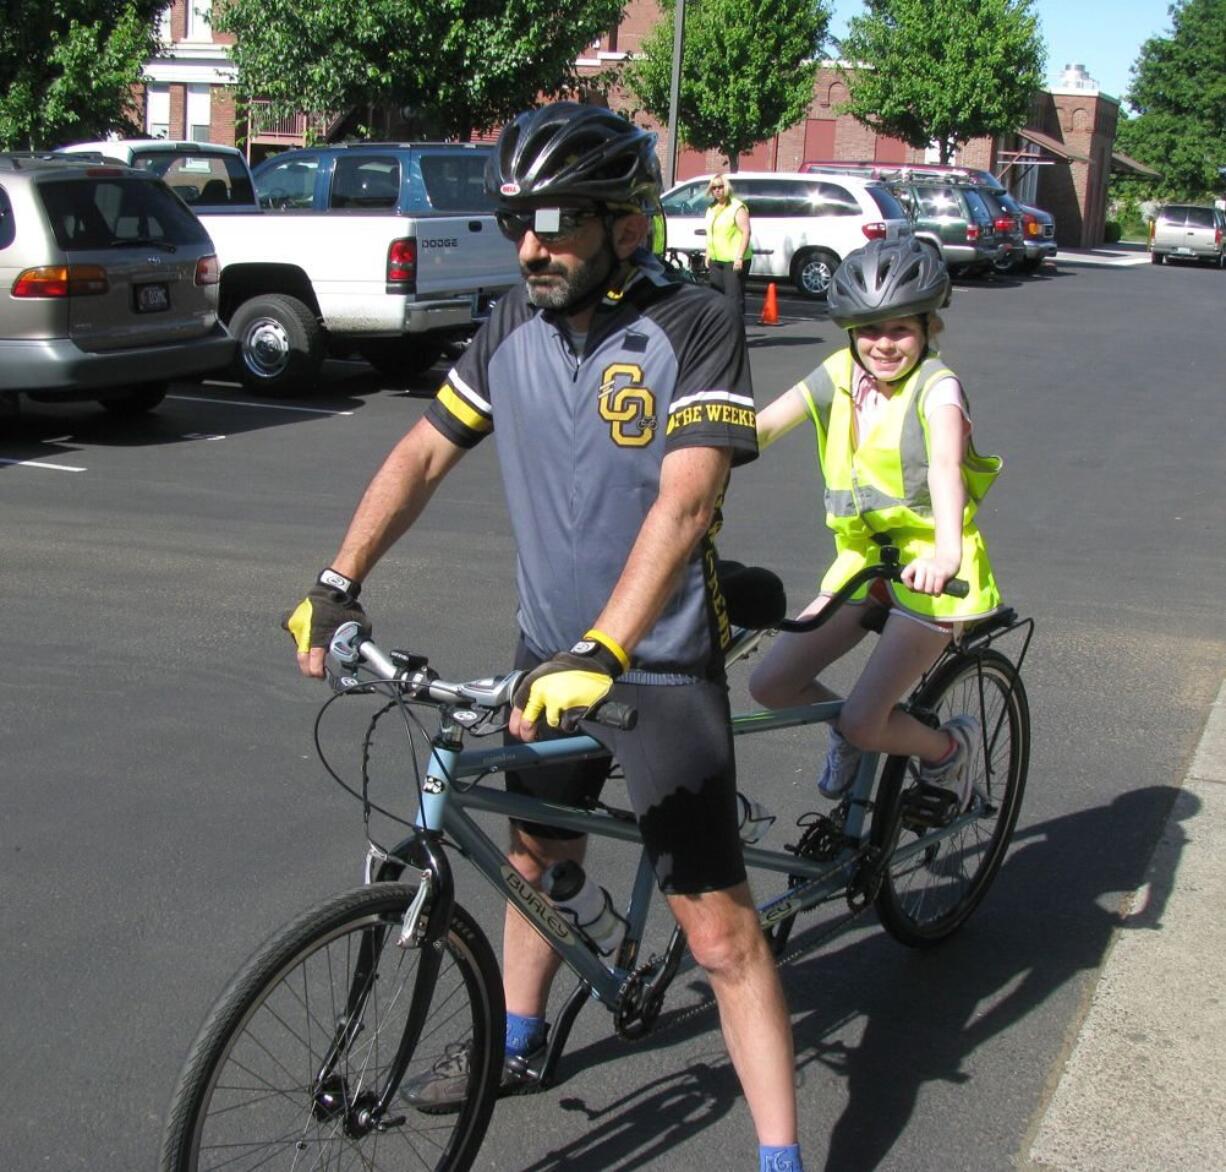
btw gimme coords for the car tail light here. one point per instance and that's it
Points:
(1217, 236)
(972, 232)
(1004, 224)
(1033, 227)
(208, 271)
(402, 264)
(873, 231)
(61, 281)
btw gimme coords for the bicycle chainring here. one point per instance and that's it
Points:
(637, 1007)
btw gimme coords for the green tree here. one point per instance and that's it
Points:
(747, 71)
(1179, 93)
(67, 68)
(942, 71)
(455, 65)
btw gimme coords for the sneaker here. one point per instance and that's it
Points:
(954, 772)
(442, 1088)
(842, 764)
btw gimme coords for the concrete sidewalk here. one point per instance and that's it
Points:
(1142, 1089)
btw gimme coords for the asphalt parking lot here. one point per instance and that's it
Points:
(165, 810)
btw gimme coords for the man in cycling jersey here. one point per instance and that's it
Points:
(619, 399)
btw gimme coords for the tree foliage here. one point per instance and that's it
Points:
(942, 71)
(1179, 91)
(452, 66)
(747, 71)
(67, 68)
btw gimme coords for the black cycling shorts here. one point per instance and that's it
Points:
(680, 775)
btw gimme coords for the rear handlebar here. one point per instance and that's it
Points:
(888, 568)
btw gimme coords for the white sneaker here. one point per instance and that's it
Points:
(954, 772)
(842, 764)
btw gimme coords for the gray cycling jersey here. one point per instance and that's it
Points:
(581, 440)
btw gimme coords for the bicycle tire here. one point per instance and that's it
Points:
(250, 1093)
(925, 899)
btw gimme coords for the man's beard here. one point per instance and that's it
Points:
(573, 290)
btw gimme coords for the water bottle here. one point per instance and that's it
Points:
(755, 819)
(586, 904)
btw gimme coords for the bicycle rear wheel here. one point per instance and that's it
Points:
(297, 1050)
(928, 894)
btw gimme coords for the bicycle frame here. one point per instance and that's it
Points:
(446, 802)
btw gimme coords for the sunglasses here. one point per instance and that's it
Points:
(717, 187)
(548, 225)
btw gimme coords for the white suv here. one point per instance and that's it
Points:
(801, 226)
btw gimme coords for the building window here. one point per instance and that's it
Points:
(157, 111)
(198, 27)
(198, 113)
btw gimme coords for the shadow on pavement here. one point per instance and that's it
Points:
(924, 1012)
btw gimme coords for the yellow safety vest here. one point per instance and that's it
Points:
(722, 230)
(881, 486)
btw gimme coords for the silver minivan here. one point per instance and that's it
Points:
(108, 285)
(1185, 231)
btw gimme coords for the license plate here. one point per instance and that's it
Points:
(152, 298)
(1183, 249)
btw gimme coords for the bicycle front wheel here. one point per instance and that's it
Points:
(940, 875)
(298, 1049)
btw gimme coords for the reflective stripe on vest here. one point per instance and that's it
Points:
(722, 229)
(882, 486)
(883, 482)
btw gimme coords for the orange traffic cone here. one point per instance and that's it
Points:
(770, 307)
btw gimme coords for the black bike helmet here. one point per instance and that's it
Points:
(568, 151)
(887, 279)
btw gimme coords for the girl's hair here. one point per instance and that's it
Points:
(720, 178)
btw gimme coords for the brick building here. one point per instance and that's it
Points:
(1061, 160)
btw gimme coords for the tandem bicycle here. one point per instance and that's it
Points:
(300, 1062)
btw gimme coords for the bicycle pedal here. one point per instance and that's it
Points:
(929, 807)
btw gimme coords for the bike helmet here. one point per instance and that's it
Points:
(887, 279)
(568, 151)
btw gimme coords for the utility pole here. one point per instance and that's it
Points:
(674, 94)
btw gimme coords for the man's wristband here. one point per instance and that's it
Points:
(334, 580)
(604, 651)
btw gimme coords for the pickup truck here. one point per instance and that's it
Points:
(390, 250)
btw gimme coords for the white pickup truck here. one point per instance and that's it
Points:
(387, 249)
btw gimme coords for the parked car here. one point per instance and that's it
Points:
(1038, 233)
(110, 285)
(954, 219)
(1008, 228)
(387, 249)
(1038, 227)
(1186, 231)
(801, 226)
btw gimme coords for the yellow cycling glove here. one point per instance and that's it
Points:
(567, 687)
(330, 603)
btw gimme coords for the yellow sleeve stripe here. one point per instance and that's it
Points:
(609, 644)
(467, 415)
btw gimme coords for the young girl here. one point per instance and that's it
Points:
(893, 440)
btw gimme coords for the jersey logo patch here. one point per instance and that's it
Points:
(628, 407)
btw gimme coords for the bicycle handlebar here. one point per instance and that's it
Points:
(888, 568)
(351, 649)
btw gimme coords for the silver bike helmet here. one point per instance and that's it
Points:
(887, 279)
(568, 152)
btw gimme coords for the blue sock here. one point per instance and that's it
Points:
(524, 1034)
(784, 1159)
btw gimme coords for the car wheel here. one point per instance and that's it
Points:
(1032, 264)
(402, 357)
(280, 344)
(1155, 258)
(812, 272)
(134, 402)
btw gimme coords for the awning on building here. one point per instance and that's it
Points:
(1127, 165)
(1052, 145)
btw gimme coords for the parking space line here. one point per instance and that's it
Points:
(264, 406)
(42, 464)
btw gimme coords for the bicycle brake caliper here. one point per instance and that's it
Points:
(411, 930)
